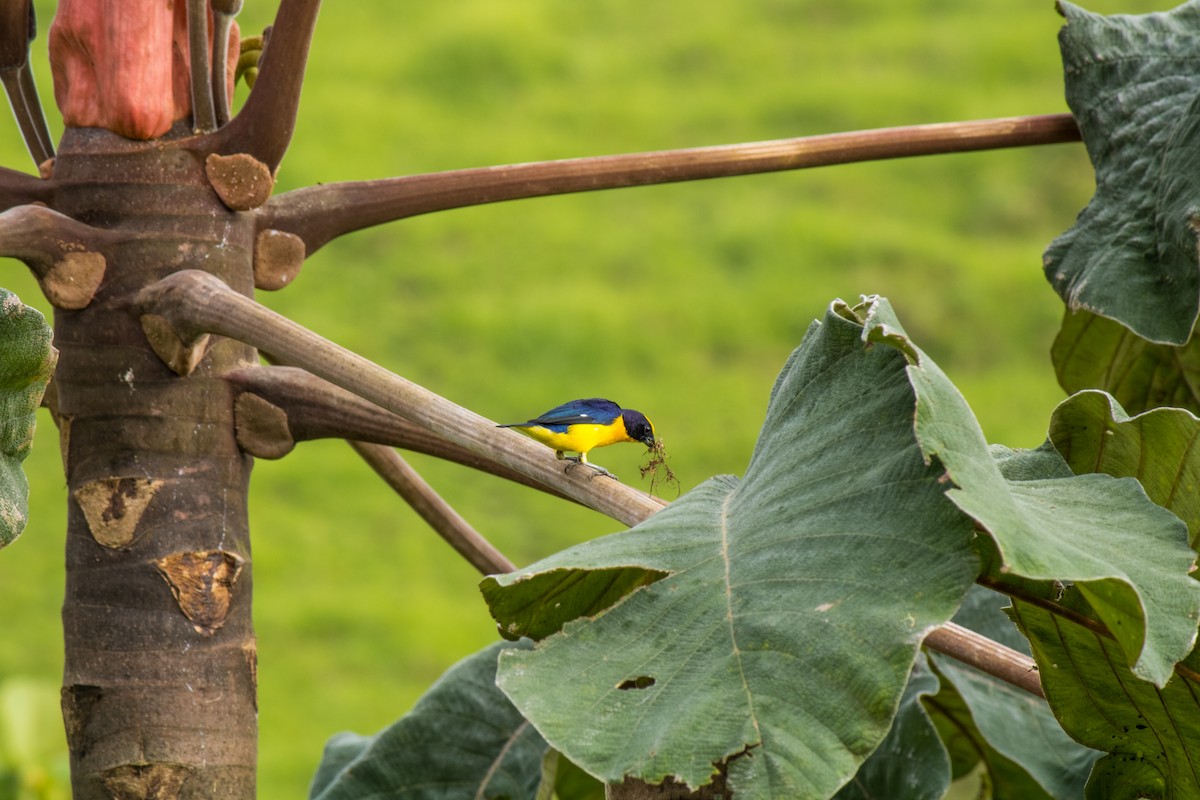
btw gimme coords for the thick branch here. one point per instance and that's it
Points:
(316, 409)
(17, 30)
(457, 532)
(65, 255)
(196, 303)
(17, 189)
(318, 214)
(264, 126)
(992, 657)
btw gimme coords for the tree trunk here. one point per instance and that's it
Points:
(159, 682)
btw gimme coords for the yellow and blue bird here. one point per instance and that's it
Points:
(583, 425)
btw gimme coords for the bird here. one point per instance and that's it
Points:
(583, 425)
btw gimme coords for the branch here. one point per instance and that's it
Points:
(64, 254)
(433, 509)
(312, 408)
(1019, 589)
(264, 127)
(204, 115)
(18, 27)
(18, 189)
(318, 214)
(195, 304)
(992, 657)
(223, 13)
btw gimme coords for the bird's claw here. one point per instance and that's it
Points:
(596, 468)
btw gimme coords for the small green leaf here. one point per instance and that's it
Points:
(1131, 255)
(1161, 448)
(25, 370)
(462, 741)
(778, 616)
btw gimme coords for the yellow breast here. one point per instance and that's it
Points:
(579, 438)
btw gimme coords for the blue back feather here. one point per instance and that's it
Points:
(593, 410)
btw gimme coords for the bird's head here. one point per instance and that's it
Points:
(638, 427)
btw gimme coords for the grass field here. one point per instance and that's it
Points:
(682, 301)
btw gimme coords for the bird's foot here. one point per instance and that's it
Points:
(576, 461)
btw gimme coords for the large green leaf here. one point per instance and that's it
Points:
(1092, 352)
(1159, 448)
(25, 369)
(462, 741)
(1151, 734)
(1129, 557)
(781, 613)
(1131, 82)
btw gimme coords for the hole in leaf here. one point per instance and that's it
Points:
(640, 682)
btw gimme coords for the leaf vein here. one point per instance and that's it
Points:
(729, 616)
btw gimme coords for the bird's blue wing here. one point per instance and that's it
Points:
(594, 409)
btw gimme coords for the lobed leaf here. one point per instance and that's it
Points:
(25, 369)
(763, 628)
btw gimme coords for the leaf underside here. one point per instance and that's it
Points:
(1150, 734)
(25, 369)
(1091, 352)
(1129, 556)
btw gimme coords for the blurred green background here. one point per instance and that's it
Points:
(681, 301)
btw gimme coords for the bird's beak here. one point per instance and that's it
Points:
(649, 442)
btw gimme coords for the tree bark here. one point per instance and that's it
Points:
(159, 680)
